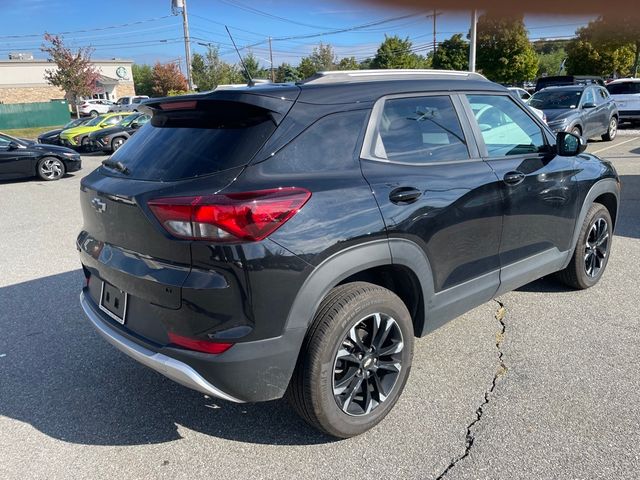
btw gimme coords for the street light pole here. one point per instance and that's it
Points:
(472, 41)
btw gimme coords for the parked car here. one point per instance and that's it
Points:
(294, 239)
(79, 136)
(586, 111)
(561, 80)
(520, 96)
(128, 104)
(52, 137)
(95, 107)
(111, 138)
(521, 93)
(21, 158)
(626, 93)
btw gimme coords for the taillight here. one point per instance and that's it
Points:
(249, 216)
(199, 345)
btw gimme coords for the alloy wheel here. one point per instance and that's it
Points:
(613, 128)
(117, 143)
(52, 169)
(368, 364)
(596, 247)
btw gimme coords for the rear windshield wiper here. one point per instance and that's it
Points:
(118, 166)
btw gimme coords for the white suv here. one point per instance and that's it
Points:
(626, 93)
(128, 104)
(94, 107)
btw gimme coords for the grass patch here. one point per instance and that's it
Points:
(30, 133)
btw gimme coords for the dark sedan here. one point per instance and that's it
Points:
(112, 138)
(24, 158)
(585, 110)
(52, 137)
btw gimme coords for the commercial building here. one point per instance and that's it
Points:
(23, 81)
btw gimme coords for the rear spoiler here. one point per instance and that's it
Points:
(277, 99)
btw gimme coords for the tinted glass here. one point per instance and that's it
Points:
(505, 127)
(419, 130)
(185, 144)
(94, 122)
(128, 120)
(556, 99)
(624, 88)
(112, 120)
(328, 144)
(588, 96)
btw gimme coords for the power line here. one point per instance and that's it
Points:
(255, 11)
(91, 29)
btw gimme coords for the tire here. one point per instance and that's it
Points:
(93, 113)
(594, 245)
(612, 131)
(50, 168)
(577, 131)
(116, 143)
(329, 356)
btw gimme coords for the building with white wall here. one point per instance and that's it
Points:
(22, 80)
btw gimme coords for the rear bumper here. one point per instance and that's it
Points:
(169, 367)
(629, 115)
(248, 372)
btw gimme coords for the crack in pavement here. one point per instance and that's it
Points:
(500, 371)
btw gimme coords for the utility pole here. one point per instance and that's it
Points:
(182, 4)
(273, 73)
(472, 40)
(435, 14)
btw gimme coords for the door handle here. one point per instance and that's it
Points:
(404, 195)
(513, 178)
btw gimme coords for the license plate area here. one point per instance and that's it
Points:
(113, 302)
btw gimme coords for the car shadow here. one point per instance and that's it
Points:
(59, 376)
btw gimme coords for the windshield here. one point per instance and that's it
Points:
(126, 121)
(562, 99)
(186, 144)
(94, 122)
(74, 123)
(20, 141)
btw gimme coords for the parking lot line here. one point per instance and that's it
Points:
(616, 145)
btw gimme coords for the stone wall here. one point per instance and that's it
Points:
(30, 94)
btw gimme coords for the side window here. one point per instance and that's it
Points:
(588, 96)
(505, 127)
(418, 130)
(601, 95)
(4, 143)
(125, 100)
(327, 145)
(111, 121)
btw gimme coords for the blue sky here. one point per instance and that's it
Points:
(158, 36)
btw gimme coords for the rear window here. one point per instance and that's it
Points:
(182, 144)
(624, 88)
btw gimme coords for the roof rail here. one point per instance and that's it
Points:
(342, 76)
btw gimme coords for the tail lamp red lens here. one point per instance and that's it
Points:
(199, 345)
(248, 216)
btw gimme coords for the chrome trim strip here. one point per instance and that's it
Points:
(169, 367)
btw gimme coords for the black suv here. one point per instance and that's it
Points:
(294, 239)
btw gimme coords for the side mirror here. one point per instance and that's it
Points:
(135, 125)
(13, 145)
(569, 145)
(589, 105)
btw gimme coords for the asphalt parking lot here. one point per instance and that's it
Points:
(548, 391)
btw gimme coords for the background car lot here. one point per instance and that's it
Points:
(565, 407)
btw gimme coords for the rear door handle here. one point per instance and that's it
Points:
(513, 178)
(404, 195)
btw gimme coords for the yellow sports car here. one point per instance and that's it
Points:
(79, 136)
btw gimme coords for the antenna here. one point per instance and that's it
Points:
(244, 67)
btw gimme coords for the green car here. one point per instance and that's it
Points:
(79, 136)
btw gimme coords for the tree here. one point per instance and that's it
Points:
(452, 54)
(143, 79)
(75, 74)
(551, 63)
(395, 52)
(322, 58)
(168, 77)
(252, 65)
(287, 73)
(348, 63)
(504, 52)
(200, 73)
(209, 70)
(605, 47)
